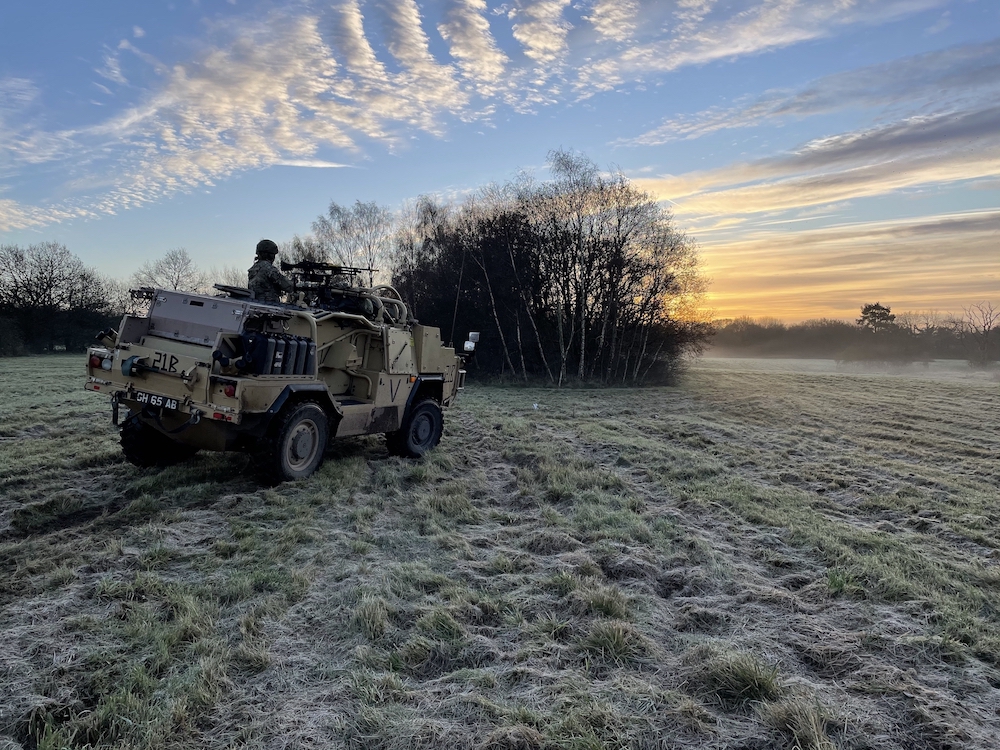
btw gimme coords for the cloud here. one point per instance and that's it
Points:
(436, 83)
(541, 28)
(943, 80)
(112, 69)
(944, 262)
(289, 86)
(915, 151)
(615, 19)
(472, 45)
(22, 142)
(702, 34)
(14, 215)
(352, 42)
(138, 32)
(311, 163)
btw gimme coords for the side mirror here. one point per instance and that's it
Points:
(470, 346)
(474, 337)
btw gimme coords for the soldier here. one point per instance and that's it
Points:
(265, 281)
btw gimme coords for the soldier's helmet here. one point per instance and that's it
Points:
(267, 249)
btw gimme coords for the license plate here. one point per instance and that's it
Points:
(157, 402)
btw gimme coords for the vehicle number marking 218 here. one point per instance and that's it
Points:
(165, 362)
(151, 399)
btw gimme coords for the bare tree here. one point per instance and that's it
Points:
(360, 236)
(921, 322)
(583, 277)
(175, 270)
(980, 323)
(119, 299)
(50, 295)
(231, 275)
(306, 248)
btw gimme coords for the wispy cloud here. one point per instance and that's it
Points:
(435, 83)
(704, 33)
(22, 141)
(284, 88)
(615, 19)
(14, 215)
(112, 69)
(831, 272)
(311, 164)
(541, 29)
(472, 45)
(921, 150)
(940, 124)
(943, 80)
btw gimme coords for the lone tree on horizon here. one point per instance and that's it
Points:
(876, 318)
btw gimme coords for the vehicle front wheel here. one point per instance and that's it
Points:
(144, 446)
(420, 431)
(295, 446)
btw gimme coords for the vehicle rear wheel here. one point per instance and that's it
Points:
(420, 431)
(144, 446)
(295, 446)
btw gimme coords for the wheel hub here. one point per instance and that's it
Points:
(421, 430)
(302, 444)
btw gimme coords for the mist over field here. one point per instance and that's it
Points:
(774, 553)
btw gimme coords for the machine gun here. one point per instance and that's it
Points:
(337, 288)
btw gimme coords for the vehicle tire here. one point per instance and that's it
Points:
(420, 431)
(144, 446)
(294, 447)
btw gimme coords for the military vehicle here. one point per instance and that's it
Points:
(226, 372)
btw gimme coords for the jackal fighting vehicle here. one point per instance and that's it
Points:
(227, 372)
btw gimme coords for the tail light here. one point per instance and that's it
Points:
(230, 391)
(95, 361)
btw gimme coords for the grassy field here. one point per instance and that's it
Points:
(773, 554)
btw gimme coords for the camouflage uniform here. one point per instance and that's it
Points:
(267, 282)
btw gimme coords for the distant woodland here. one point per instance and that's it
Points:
(877, 336)
(51, 301)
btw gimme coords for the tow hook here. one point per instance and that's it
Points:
(189, 378)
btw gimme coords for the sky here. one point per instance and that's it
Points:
(822, 153)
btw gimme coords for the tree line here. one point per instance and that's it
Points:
(877, 335)
(579, 278)
(51, 301)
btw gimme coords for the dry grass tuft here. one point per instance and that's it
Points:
(618, 642)
(371, 617)
(734, 679)
(607, 601)
(804, 721)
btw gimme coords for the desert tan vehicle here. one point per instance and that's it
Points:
(276, 380)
